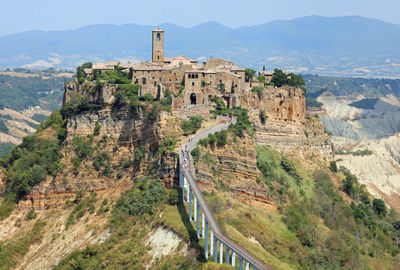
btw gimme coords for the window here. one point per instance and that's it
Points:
(158, 36)
(143, 80)
(192, 83)
(158, 57)
(197, 76)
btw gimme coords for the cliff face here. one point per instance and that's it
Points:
(281, 123)
(121, 134)
(97, 95)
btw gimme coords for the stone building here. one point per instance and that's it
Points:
(191, 83)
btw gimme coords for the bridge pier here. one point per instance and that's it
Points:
(221, 252)
(233, 258)
(215, 249)
(197, 217)
(247, 266)
(183, 188)
(187, 191)
(195, 208)
(227, 255)
(190, 204)
(211, 243)
(206, 242)
(240, 263)
(203, 217)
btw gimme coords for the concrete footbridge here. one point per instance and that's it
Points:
(199, 211)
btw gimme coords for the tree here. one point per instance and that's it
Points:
(379, 207)
(249, 73)
(79, 71)
(295, 80)
(279, 78)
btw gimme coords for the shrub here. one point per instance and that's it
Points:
(221, 87)
(31, 214)
(221, 137)
(242, 123)
(333, 166)
(192, 125)
(101, 160)
(263, 117)
(291, 169)
(97, 128)
(379, 207)
(139, 200)
(259, 90)
(196, 154)
(173, 197)
(29, 163)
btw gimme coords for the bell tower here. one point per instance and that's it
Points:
(158, 45)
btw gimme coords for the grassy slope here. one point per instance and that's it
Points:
(302, 234)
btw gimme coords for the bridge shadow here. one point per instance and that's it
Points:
(194, 241)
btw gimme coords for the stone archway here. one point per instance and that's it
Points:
(193, 99)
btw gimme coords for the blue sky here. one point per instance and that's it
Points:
(23, 15)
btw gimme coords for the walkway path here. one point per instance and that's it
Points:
(208, 222)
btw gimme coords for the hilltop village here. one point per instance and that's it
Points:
(101, 183)
(192, 82)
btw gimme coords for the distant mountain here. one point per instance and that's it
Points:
(330, 46)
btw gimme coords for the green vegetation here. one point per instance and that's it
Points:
(57, 122)
(312, 102)
(82, 204)
(249, 73)
(19, 93)
(280, 78)
(343, 86)
(116, 76)
(3, 127)
(79, 71)
(14, 250)
(221, 87)
(29, 163)
(243, 122)
(263, 117)
(358, 152)
(83, 149)
(221, 108)
(261, 78)
(259, 90)
(97, 128)
(102, 160)
(31, 214)
(195, 154)
(330, 232)
(77, 105)
(192, 125)
(7, 205)
(5, 148)
(39, 117)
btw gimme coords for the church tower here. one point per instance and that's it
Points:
(158, 45)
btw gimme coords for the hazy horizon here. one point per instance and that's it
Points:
(46, 15)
